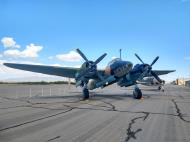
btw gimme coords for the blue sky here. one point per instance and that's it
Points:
(39, 31)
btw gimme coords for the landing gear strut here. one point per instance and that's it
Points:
(137, 94)
(85, 92)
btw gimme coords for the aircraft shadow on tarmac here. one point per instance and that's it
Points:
(146, 89)
(93, 96)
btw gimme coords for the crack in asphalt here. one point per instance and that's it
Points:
(35, 120)
(179, 114)
(33, 106)
(111, 107)
(53, 138)
(132, 133)
(129, 132)
(181, 97)
(30, 102)
(116, 110)
(15, 107)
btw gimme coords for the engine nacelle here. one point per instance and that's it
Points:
(92, 84)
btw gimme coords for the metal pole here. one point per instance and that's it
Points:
(69, 82)
(16, 93)
(59, 91)
(120, 53)
(30, 92)
(42, 91)
(50, 91)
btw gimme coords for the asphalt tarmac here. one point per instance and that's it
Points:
(56, 113)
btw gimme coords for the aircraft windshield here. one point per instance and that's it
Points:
(113, 61)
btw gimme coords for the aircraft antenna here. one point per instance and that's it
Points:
(120, 52)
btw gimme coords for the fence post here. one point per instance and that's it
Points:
(42, 91)
(50, 91)
(16, 93)
(30, 92)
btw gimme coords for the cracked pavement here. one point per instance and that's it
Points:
(110, 115)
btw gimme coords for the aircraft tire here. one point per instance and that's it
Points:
(85, 94)
(159, 87)
(137, 94)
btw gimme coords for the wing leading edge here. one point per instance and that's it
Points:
(162, 72)
(50, 70)
(62, 71)
(69, 72)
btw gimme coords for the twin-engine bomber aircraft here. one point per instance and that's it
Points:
(89, 77)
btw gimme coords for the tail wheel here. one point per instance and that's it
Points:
(137, 94)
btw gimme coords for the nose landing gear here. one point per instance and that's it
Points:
(85, 92)
(137, 94)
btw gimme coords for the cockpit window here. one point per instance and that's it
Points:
(113, 61)
(136, 66)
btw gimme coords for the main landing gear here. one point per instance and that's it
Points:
(161, 88)
(137, 94)
(85, 92)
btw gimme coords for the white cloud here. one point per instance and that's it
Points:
(6, 72)
(8, 42)
(20, 62)
(50, 57)
(12, 53)
(77, 66)
(72, 66)
(72, 56)
(10, 74)
(187, 58)
(31, 51)
(114, 57)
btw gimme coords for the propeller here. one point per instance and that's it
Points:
(100, 58)
(150, 67)
(92, 66)
(139, 58)
(154, 61)
(82, 55)
(156, 76)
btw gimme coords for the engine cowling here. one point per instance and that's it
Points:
(91, 84)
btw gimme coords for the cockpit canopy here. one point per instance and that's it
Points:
(113, 61)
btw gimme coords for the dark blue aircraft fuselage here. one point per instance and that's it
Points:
(118, 68)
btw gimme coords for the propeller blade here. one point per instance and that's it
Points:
(100, 58)
(82, 55)
(139, 58)
(156, 76)
(155, 60)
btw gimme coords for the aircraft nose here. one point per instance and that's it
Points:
(108, 70)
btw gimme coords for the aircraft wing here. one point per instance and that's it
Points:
(50, 70)
(162, 72)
